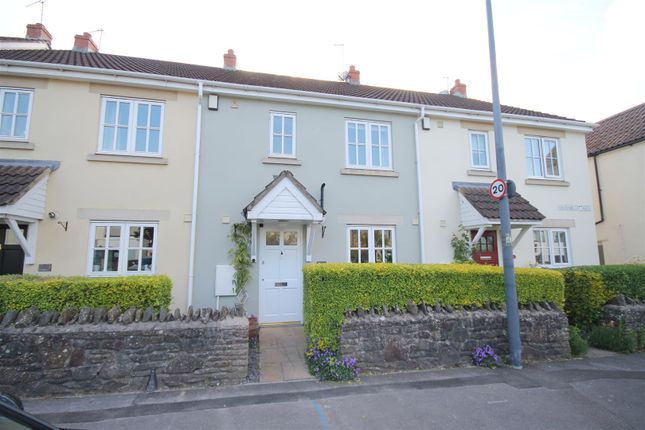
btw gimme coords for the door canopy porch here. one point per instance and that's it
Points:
(23, 192)
(478, 210)
(284, 199)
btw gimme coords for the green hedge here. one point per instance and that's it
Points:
(58, 293)
(584, 296)
(332, 289)
(627, 279)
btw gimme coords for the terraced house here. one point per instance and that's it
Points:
(322, 171)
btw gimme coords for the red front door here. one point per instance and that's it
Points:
(484, 251)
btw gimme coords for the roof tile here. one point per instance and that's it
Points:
(618, 130)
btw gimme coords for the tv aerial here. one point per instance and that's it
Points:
(42, 8)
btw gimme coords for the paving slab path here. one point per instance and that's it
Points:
(282, 354)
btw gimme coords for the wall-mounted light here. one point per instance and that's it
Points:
(52, 215)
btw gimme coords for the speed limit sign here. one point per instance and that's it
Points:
(497, 189)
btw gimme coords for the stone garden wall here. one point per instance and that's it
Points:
(631, 312)
(430, 337)
(103, 351)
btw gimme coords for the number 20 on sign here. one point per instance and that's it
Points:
(497, 189)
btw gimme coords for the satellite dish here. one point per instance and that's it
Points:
(344, 76)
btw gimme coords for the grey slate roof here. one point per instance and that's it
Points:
(619, 130)
(273, 183)
(17, 177)
(216, 74)
(477, 195)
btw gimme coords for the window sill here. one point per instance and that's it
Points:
(549, 182)
(16, 144)
(282, 160)
(370, 172)
(481, 172)
(136, 159)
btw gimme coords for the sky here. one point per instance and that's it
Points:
(577, 58)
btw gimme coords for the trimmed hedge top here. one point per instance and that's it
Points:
(332, 289)
(627, 279)
(58, 293)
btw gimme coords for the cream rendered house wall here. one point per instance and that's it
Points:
(622, 182)
(64, 126)
(445, 158)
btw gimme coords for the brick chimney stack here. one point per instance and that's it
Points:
(230, 60)
(38, 32)
(458, 89)
(354, 76)
(84, 43)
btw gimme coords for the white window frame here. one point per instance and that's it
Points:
(541, 141)
(370, 239)
(132, 126)
(470, 144)
(551, 248)
(282, 154)
(123, 248)
(30, 92)
(368, 145)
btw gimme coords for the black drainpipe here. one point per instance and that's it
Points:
(602, 212)
(322, 196)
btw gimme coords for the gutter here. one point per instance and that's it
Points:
(598, 190)
(193, 215)
(419, 186)
(121, 77)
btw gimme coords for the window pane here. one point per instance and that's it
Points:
(98, 262)
(108, 139)
(384, 136)
(134, 237)
(389, 256)
(365, 256)
(288, 145)
(146, 260)
(155, 116)
(9, 102)
(115, 236)
(277, 144)
(122, 139)
(353, 238)
(353, 256)
(351, 153)
(363, 239)
(110, 112)
(362, 160)
(277, 124)
(291, 238)
(133, 260)
(124, 113)
(351, 132)
(378, 255)
(288, 125)
(142, 115)
(361, 133)
(20, 127)
(272, 238)
(5, 125)
(113, 260)
(375, 135)
(23, 103)
(376, 156)
(378, 238)
(99, 236)
(385, 157)
(140, 143)
(148, 237)
(388, 238)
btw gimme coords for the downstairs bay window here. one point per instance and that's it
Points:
(122, 248)
(371, 244)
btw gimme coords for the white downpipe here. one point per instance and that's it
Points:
(419, 189)
(193, 215)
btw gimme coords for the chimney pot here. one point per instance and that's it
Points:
(230, 60)
(39, 32)
(84, 43)
(354, 76)
(458, 89)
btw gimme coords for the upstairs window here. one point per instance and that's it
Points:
(131, 127)
(283, 135)
(551, 247)
(479, 150)
(369, 244)
(122, 248)
(543, 157)
(368, 145)
(15, 110)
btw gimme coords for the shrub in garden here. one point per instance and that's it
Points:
(584, 297)
(617, 338)
(577, 343)
(485, 356)
(627, 279)
(332, 289)
(327, 365)
(57, 293)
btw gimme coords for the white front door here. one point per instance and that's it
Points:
(280, 273)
